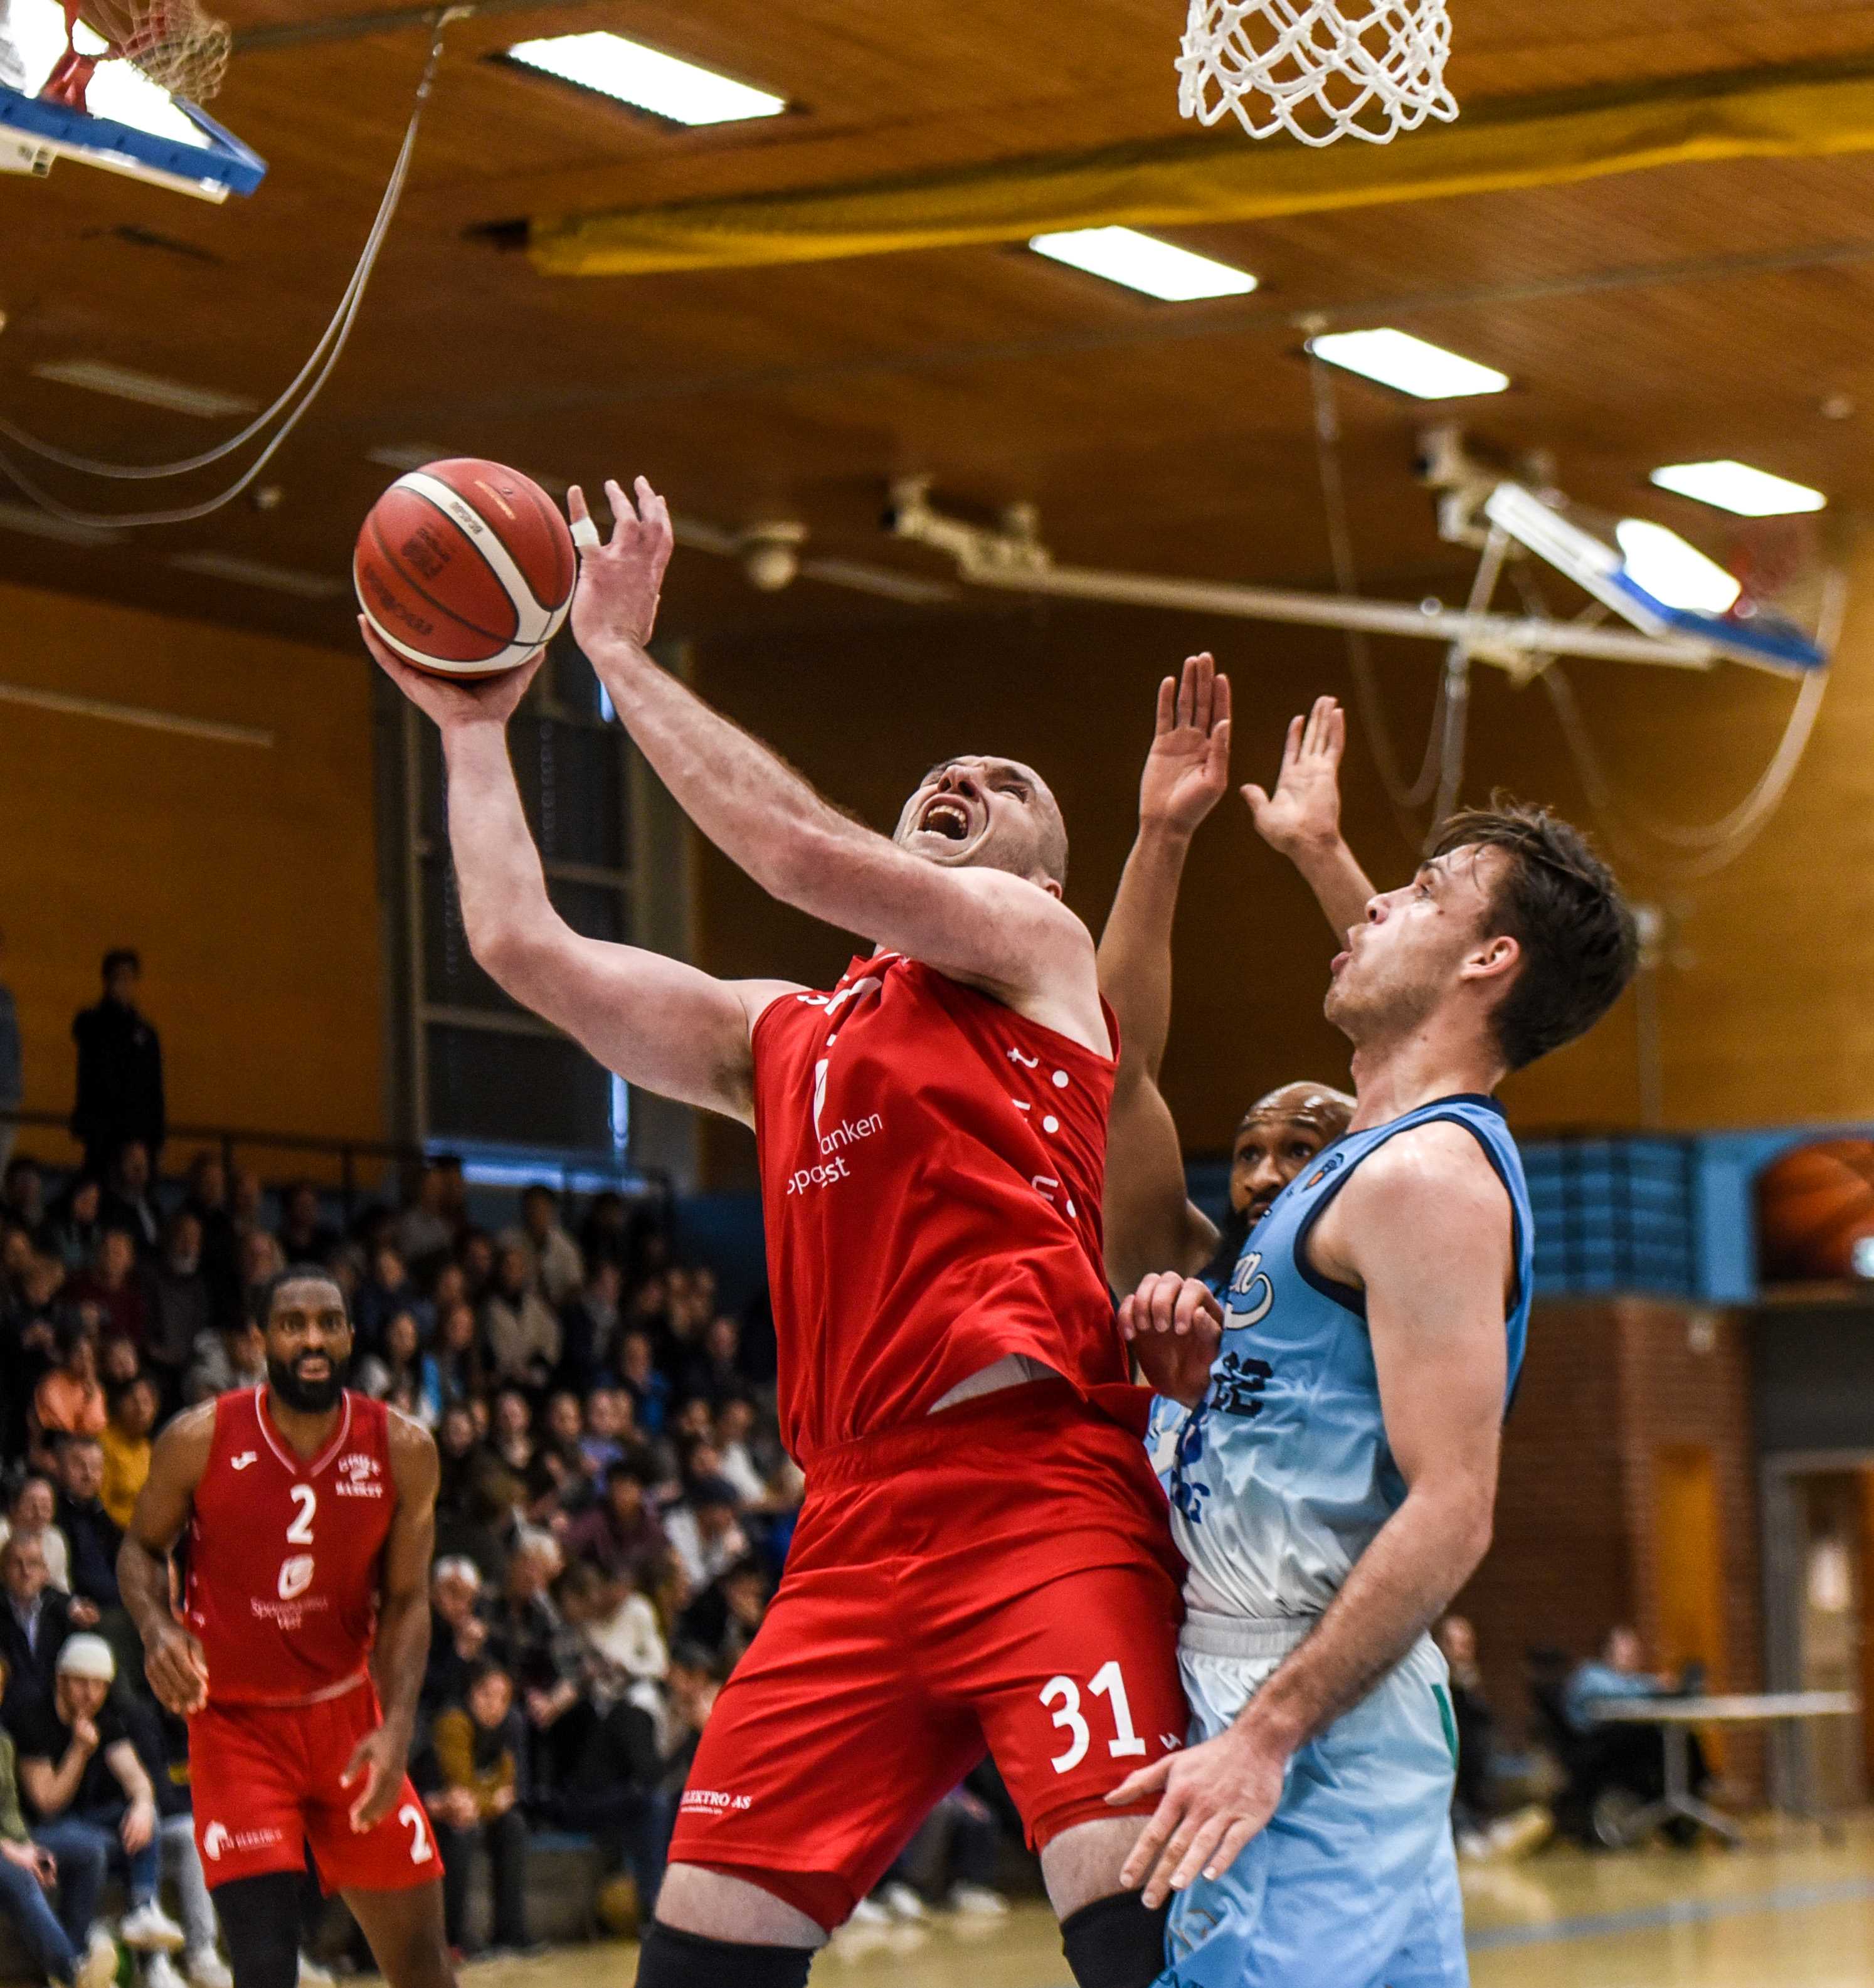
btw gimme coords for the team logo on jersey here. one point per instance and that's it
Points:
(358, 1476)
(1332, 1166)
(217, 1839)
(295, 1576)
(1251, 1286)
(246, 1457)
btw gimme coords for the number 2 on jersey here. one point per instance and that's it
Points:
(300, 1531)
(1107, 1683)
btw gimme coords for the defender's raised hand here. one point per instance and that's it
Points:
(1174, 1325)
(620, 577)
(1188, 768)
(1303, 814)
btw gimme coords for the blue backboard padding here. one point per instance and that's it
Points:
(1767, 638)
(220, 157)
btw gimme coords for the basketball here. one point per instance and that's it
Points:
(464, 568)
(1814, 1205)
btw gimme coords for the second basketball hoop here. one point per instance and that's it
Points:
(1317, 69)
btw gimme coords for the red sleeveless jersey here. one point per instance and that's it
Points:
(284, 1553)
(931, 1167)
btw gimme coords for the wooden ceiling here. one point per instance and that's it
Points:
(1699, 310)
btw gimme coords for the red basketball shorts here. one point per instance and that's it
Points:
(263, 1781)
(1000, 1576)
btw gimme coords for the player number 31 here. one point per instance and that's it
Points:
(1106, 1683)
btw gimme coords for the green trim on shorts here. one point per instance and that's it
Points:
(1447, 1719)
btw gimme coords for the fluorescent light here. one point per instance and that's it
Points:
(1143, 262)
(123, 383)
(646, 78)
(1661, 563)
(1411, 365)
(257, 573)
(1736, 486)
(36, 29)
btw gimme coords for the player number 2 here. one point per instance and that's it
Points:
(419, 1832)
(300, 1531)
(1106, 1683)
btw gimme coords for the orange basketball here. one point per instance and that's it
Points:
(1814, 1204)
(464, 568)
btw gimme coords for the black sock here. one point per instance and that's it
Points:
(1117, 1942)
(669, 1958)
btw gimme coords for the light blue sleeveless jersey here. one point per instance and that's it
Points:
(1280, 1478)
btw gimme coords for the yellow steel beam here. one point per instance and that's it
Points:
(1498, 144)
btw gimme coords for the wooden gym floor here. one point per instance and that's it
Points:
(1791, 1911)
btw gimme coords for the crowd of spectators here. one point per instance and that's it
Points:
(613, 1512)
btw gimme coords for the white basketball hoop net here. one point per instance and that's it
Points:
(1318, 70)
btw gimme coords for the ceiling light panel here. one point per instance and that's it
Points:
(646, 78)
(1144, 263)
(1662, 563)
(1737, 488)
(1408, 365)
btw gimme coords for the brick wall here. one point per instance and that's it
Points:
(1605, 1387)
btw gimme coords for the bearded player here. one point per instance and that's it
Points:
(981, 1560)
(309, 1513)
(1334, 1488)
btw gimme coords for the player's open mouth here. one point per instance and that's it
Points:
(946, 816)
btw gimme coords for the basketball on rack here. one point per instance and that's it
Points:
(464, 568)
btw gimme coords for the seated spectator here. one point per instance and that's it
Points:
(387, 1290)
(126, 1444)
(704, 1533)
(622, 1536)
(521, 1333)
(618, 1631)
(724, 1618)
(258, 1256)
(475, 1494)
(117, 1364)
(22, 1197)
(65, 1945)
(511, 1437)
(713, 1371)
(89, 1791)
(457, 1635)
(649, 1389)
(305, 1235)
(456, 1368)
(161, 1740)
(474, 1255)
(227, 1361)
(32, 1517)
(558, 1267)
(605, 1237)
(94, 1536)
(400, 1365)
(181, 1307)
(1627, 1760)
(29, 1313)
(70, 1400)
(734, 1432)
(560, 1472)
(38, 1621)
(72, 1227)
(207, 1201)
(424, 1233)
(1481, 1833)
(610, 1427)
(588, 1328)
(472, 1788)
(127, 1204)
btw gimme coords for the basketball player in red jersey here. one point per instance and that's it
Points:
(310, 1512)
(982, 1557)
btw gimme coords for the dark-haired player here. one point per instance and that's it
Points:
(1334, 1488)
(981, 1560)
(310, 1516)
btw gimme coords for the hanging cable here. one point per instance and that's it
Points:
(331, 345)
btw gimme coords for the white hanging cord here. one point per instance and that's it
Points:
(1454, 732)
(1405, 799)
(331, 343)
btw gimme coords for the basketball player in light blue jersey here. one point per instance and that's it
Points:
(1332, 1489)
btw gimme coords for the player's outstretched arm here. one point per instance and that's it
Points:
(1000, 932)
(1301, 819)
(1425, 1227)
(1150, 1222)
(657, 1022)
(173, 1659)
(376, 1766)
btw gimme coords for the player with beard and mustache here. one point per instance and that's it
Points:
(310, 1512)
(1150, 1224)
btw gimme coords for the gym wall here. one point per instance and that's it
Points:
(243, 873)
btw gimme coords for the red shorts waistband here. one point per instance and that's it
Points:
(891, 1451)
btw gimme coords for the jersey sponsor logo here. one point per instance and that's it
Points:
(808, 1177)
(217, 1839)
(295, 1576)
(713, 1801)
(1332, 1166)
(241, 1461)
(358, 1476)
(848, 1131)
(1250, 1284)
(289, 1616)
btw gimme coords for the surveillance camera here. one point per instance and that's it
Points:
(770, 554)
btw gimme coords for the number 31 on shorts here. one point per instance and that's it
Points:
(1106, 1682)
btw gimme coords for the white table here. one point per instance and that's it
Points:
(1675, 1717)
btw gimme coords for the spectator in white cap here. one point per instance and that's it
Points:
(88, 1790)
